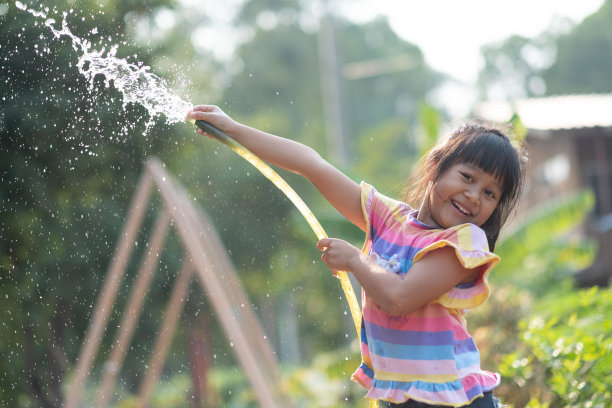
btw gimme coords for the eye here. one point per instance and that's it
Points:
(491, 194)
(466, 176)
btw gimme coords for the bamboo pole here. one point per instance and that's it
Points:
(107, 296)
(164, 338)
(133, 309)
(207, 266)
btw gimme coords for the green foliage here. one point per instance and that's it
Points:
(372, 100)
(519, 128)
(171, 393)
(431, 121)
(544, 242)
(385, 150)
(68, 170)
(549, 341)
(326, 382)
(513, 68)
(569, 333)
(71, 156)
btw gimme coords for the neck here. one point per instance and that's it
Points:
(425, 216)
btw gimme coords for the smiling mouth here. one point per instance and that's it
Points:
(461, 209)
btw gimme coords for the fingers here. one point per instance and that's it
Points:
(200, 112)
(324, 243)
(199, 108)
(205, 108)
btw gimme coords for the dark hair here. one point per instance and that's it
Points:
(486, 146)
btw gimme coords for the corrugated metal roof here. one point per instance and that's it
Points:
(555, 112)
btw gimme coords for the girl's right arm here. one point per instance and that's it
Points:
(342, 192)
(427, 279)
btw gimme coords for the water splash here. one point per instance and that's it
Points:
(135, 82)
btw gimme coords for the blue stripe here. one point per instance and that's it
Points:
(465, 346)
(420, 385)
(364, 335)
(382, 246)
(412, 338)
(467, 359)
(476, 390)
(404, 352)
(367, 370)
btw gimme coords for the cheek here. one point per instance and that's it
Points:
(489, 211)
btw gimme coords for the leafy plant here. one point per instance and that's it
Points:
(570, 335)
(545, 338)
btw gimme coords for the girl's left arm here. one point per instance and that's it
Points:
(428, 279)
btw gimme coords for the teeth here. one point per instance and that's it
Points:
(463, 210)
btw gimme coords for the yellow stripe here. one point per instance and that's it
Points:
(431, 378)
(464, 237)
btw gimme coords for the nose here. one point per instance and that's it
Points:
(473, 195)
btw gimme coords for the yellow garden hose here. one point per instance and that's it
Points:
(282, 185)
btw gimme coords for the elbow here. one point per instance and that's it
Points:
(311, 164)
(397, 304)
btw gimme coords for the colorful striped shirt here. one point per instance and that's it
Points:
(427, 355)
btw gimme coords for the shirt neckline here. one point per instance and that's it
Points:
(412, 216)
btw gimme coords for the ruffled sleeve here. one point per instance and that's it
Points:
(472, 250)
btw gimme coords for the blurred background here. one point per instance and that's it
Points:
(371, 86)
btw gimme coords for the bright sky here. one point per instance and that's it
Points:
(451, 32)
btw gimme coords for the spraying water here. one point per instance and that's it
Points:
(140, 86)
(136, 83)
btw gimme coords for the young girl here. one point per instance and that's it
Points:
(421, 267)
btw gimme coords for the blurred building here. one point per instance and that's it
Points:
(570, 147)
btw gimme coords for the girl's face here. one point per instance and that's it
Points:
(464, 193)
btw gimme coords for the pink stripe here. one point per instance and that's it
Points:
(394, 395)
(379, 213)
(430, 310)
(409, 239)
(434, 323)
(394, 231)
(360, 377)
(365, 352)
(417, 367)
(484, 380)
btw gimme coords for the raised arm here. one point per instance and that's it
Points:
(342, 192)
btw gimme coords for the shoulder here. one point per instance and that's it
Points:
(469, 237)
(469, 243)
(370, 197)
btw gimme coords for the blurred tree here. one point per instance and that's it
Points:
(584, 57)
(514, 68)
(559, 61)
(69, 162)
(71, 156)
